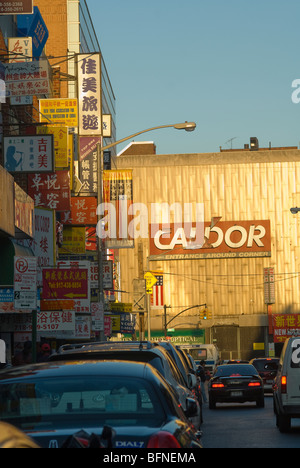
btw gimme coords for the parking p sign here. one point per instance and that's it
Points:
(25, 283)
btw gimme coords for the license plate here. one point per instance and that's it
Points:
(269, 382)
(236, 394)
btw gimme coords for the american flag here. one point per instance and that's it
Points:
(157, 297)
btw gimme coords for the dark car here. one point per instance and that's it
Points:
(236, 383)
(52, 401)
(136, 351)
(267, 369)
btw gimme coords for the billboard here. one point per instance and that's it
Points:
(227, 239)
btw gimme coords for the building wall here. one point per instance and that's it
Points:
(238, 186)
(71, 31)
(55, 15)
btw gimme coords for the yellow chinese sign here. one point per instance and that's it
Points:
(73, 240)
(59, 112)
(61, 144)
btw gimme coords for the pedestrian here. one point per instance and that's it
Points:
(45, 352)
(24, 356)
(202, 376)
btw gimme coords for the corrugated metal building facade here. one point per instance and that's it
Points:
(237, 186)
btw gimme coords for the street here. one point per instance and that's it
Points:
(245, 426)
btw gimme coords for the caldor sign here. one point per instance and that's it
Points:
(226, 239)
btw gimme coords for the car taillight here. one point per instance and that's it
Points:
(283, 384)
(254, 384)
(218, 385)
(163, 439)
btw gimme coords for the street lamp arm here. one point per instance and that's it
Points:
(189, 308)
(188, 126)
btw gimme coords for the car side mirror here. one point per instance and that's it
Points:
(192, 380)
(191, 408)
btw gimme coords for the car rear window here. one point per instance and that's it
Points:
(266, 365)
(235, 369)
(65, 401)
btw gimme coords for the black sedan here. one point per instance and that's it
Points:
(236, 383)
(52, 401)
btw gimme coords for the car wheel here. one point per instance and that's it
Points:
(260, 403)
(284, 423)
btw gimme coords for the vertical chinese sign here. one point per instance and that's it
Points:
(89, 94)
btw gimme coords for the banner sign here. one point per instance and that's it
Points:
(28, 78)
(285, 326)
(118, 196)
(29, 153)
(89, 94)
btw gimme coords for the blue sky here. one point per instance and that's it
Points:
(228, 65)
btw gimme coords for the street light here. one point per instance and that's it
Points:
(188, 127)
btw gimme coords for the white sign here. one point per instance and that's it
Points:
(89, 94)
(56, 323)
(83, 327)
(25, 282)
(107, 274)
(43, 243)
(97, 311)
(20, 49)
(28, 78)
(29, 153)
(2, 352)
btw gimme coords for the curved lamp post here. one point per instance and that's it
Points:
(188, 127)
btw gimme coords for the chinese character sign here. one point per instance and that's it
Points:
(50, 190)
(28, 78)
(285, 326)
(89, 94)
(29, 153)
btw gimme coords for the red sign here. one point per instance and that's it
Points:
(65, 283)
(285, 326)
(83, 212)
(50, 190)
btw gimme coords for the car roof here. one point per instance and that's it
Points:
(105, 345)
(265, 359)
(71, 368)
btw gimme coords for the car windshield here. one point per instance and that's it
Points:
(236, 370)
(74, 401)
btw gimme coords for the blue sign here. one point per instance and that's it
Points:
(34, 26)
(6, 295)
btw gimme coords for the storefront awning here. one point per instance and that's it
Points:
(8, 250)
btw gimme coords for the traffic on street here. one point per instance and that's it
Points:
(144, 395)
